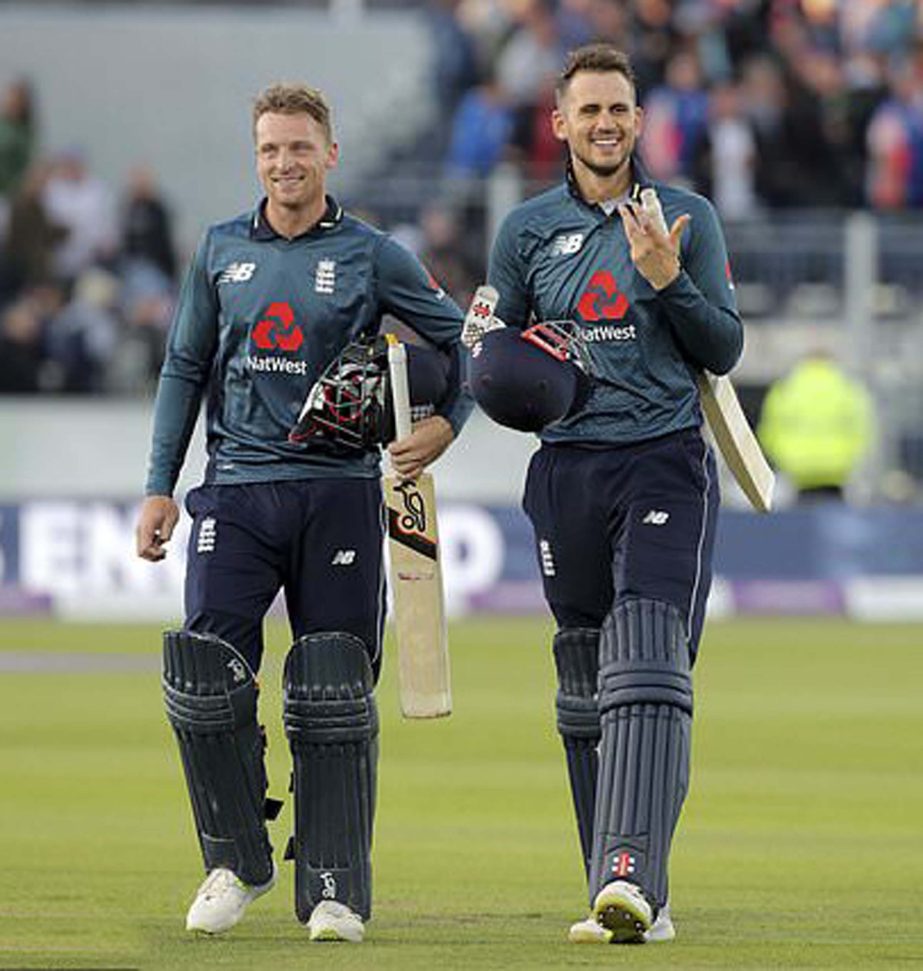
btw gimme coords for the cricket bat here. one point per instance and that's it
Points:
(726, 419)
(416, 577)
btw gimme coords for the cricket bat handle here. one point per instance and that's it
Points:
(400, 389)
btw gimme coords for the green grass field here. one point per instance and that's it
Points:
(801, 845)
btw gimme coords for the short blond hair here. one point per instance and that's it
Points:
(286, 98)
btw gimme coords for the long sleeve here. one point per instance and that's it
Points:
(190, 350)
(700, 302)
(409, 292)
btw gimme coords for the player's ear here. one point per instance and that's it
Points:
(333, 156)
(558, 125)
(639, 122)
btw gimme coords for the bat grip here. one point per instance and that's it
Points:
(400, 389)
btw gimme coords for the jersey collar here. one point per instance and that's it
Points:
(262, 231)
(641, 180)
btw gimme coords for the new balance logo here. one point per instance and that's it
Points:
(343, 558)
(237, 273)
(325, 277)
(656, 517)
(547, 560)
(207, 535)
(567, 245)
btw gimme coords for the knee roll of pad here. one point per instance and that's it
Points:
(332, 726)
(210, 696)
(645, 702)
(644, 659)
(576, 657)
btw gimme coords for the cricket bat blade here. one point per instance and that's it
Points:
(419, 606)
(416, 576)
(735, 440)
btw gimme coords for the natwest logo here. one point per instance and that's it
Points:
(277, 331)
(602, 299)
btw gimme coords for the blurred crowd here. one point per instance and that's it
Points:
(87, 270)
(761, 104)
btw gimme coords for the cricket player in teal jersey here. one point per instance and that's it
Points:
(622, 494)
(270, 300)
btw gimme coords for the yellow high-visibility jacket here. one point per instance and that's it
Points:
(816, 424)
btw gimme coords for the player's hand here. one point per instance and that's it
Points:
(156, 521)
(428, 440)
(654, 252)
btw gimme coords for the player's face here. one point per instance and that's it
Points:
(600, 121)
(293, 157)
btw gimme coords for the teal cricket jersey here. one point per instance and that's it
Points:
(259, 317)
(556, 257)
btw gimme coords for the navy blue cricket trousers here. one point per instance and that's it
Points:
(318, 540)
(613, 523)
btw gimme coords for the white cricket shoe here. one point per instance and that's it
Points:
(589, 931)
(222, 900)
(621, 907)
(662, 929)
(333, 921)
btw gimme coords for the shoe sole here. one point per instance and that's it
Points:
(331, 934)
(619, 915)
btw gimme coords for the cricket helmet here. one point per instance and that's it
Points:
(529, 379)
(350, 403)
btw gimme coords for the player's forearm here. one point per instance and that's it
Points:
(175, 412)
(712, 336)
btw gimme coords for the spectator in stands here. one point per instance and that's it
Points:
(147, 235)
(653, 39)
(895, 142)
(83, 204)
(31, 236)
(792, 155)
(541, 155)
(675, 120)
(138, 356)
(146, 302)
(608, 21)
(455, 63)
(726, 169)
(17, 135)
(21, 348)
(531, 56)
(82, 338)
(481, 130)
(816, 426)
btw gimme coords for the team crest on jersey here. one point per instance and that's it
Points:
(325, 276)
(567, 245)
(237, 273)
